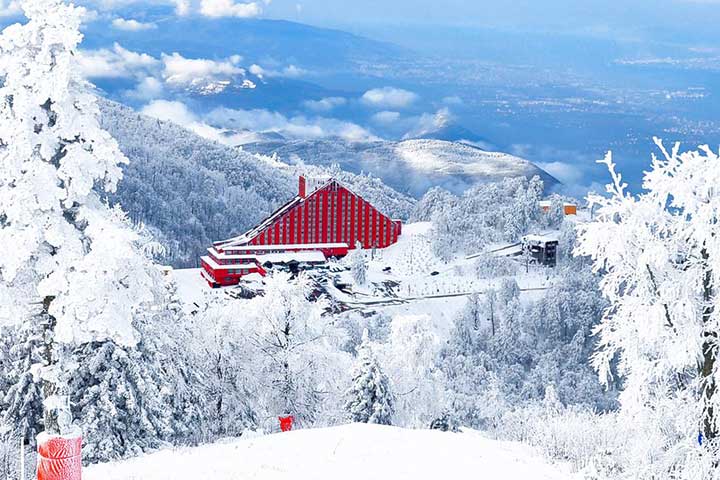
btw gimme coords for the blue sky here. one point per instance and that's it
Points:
(570, 15)
(533, 14)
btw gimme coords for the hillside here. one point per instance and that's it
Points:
(410, 166)
(190, 191)
(357, 451)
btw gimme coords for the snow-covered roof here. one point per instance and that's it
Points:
(548, 203)
(286, 257)
(226, 256)
(540, 238)
(281, 248)
(216, 266)
(252, 233)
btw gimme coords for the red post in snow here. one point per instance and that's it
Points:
(59, 457)
(286, 423)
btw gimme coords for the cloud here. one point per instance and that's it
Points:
(208, 8)
(149, 88)
(576, 170)
(179, 114)
(259, 120)
(179, 70)
(389, 97)
(429, 123)
(386, 117)
(182, 7)
(116, 63)
(231, 127)
(565, 172)
(291, 71)
(131, 25)
(228, 8)
(152, 74)
(325, 104)
(176, 112)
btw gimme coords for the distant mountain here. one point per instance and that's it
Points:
(410, 166)
(258, 40)
(453, 132)
(445, 126)
(190, 191)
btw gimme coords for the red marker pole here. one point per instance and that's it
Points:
(286, 423)
(59, 456)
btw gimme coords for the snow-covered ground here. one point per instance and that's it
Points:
(348, 452)
(425, 283)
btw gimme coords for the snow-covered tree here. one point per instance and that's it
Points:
(131, 399)
(358, 265)
(22, 410)
(370, 398)
(232, 367)
(493, 212)
(659, 253)
(124, 406)
(410, 358)
(296, 357)
(74, 267)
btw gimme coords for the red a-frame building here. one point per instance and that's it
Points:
(325, 223)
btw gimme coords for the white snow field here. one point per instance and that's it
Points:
(348, 452)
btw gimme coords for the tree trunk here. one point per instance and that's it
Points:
(710, 431)
(56, 416)
(49, 388)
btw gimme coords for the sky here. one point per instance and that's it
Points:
(694, 19)
(583, 15)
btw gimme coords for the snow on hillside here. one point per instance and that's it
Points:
(357, 451)
(191, 191)
(410, 166)
(421, 283)
(437, 157)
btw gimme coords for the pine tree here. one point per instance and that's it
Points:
(23, 398)
(134, 398)
(74, 267)
(369, 399)
(123, 404)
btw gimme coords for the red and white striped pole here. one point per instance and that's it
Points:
(60, 456)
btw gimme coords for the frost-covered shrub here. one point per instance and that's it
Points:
(490, 266)
(587, 440)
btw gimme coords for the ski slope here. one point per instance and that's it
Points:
(348, 452)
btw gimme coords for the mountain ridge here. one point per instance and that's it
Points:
(409, 166)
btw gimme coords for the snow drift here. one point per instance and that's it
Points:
(357, 451)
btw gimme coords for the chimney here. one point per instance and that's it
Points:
(301, 187)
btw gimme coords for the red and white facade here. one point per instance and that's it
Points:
(327, 222)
